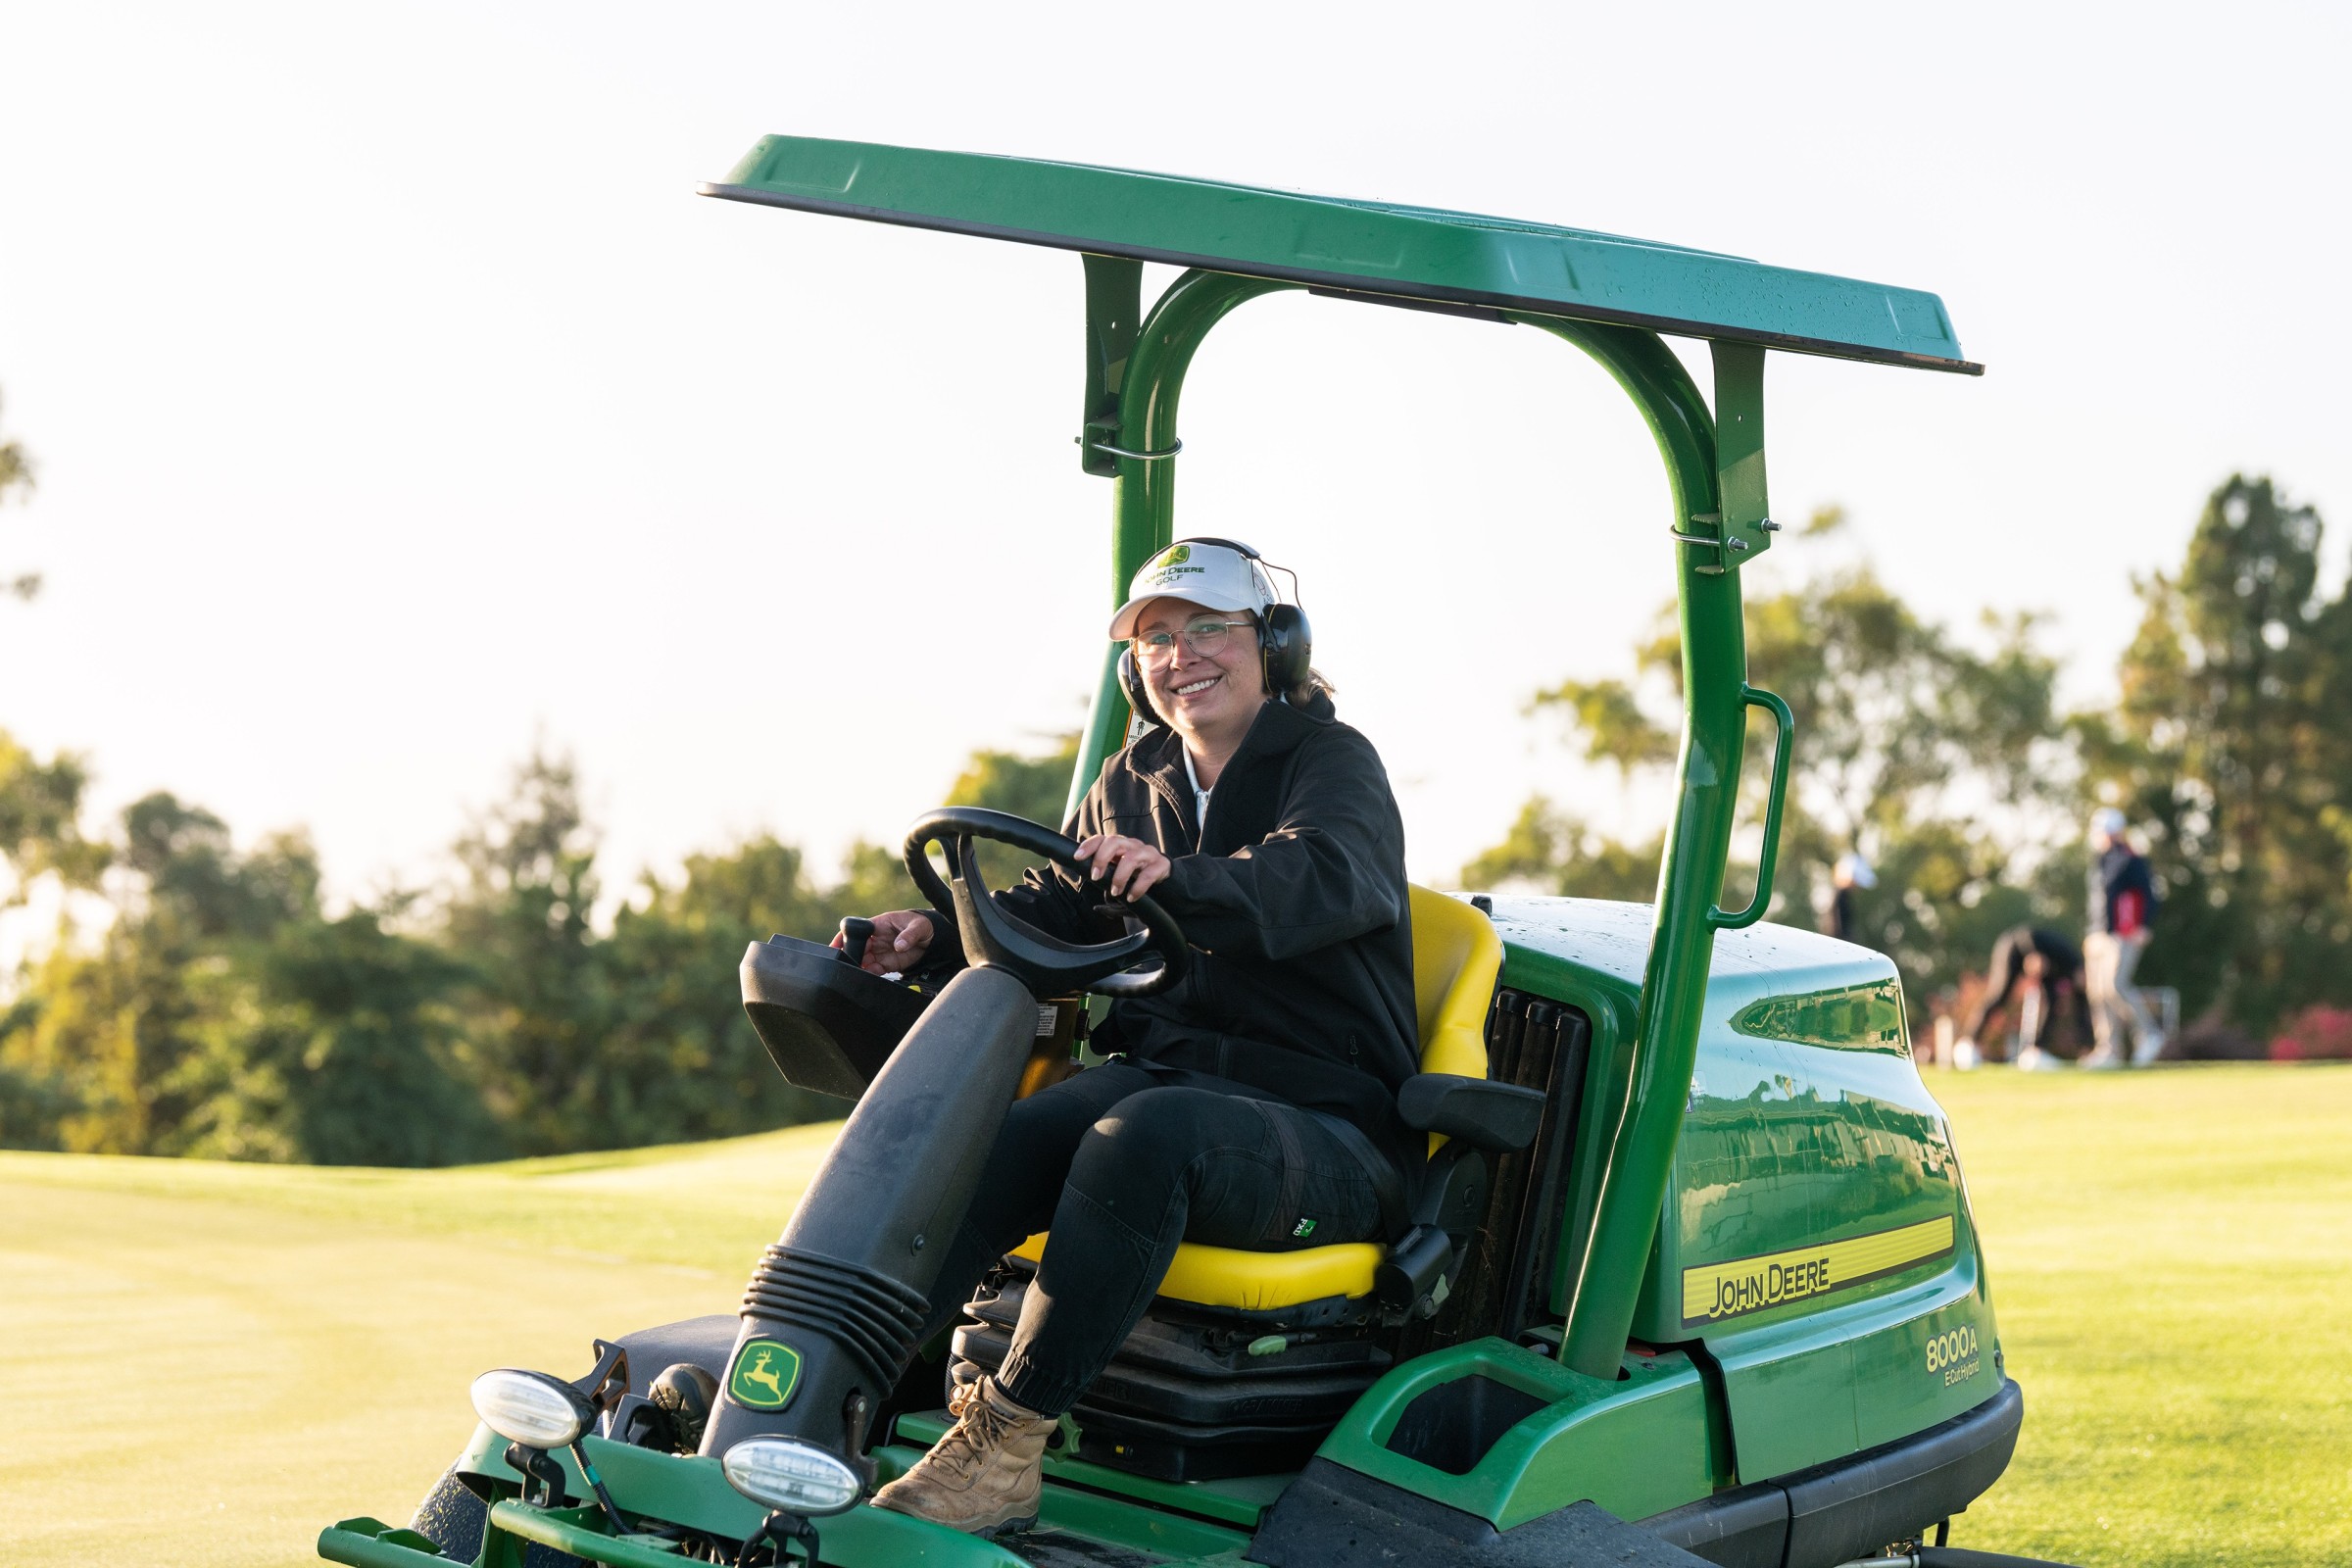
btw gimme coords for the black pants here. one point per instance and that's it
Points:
(1121, 1163)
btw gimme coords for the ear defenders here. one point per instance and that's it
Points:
(1286, 644)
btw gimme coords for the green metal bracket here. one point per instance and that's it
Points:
(1784, 742)
(1742, 528)
(1114, 314)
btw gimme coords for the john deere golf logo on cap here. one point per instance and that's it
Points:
(767, 1373)
(1171, 564)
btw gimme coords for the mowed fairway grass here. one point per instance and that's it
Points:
(205, 1364)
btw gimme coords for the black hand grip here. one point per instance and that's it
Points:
(855, 932)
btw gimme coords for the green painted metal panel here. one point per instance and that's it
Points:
(1827, 1382)
(1376, 248)
(1809, 1145)
(1637, 1444)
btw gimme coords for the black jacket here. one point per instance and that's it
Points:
(1294, 899)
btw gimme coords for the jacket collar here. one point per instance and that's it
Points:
(1280, 728)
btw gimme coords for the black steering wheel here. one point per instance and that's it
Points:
(1046, 965)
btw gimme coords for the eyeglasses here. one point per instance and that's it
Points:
(1202, 638)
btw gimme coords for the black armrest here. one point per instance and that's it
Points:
(1480, 1111)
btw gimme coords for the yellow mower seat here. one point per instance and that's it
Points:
(1456, 956)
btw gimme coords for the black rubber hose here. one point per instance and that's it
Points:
(1962, 1557)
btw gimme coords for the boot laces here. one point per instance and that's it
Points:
(981, 1427)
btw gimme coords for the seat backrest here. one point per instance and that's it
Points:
(1456, 956)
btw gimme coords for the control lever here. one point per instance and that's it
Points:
(855, 932)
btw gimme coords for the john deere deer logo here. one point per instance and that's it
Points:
(1170, 565)
(765, 1373)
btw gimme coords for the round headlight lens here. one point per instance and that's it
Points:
(532, 1408)
(789, 1474)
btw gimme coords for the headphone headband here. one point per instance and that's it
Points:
(1234, 545)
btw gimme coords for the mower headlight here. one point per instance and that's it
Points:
(532, 1408)
(787, 1474)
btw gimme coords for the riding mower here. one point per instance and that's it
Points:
(1692, 1275)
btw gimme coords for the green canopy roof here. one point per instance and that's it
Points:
(1405, 253)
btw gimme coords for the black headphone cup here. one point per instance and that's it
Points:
(1286, 647)
(1130, 682)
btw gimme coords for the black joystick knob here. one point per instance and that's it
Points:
(855, 932)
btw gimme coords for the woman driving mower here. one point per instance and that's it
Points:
(1253, 1105)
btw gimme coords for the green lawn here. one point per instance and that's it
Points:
(2170, 1253)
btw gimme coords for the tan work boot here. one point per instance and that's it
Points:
(985, 1474)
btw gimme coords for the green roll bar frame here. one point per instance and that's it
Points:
(1136, 367)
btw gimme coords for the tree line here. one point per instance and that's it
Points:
(215, 1005)
(223, 1011)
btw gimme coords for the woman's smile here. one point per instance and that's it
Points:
(1209, 697)
(1202, 695)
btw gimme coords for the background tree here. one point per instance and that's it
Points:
(2232, 745)
(521, 921)
(120, 1031)
(333, 1044)
(1552, 850)
(679, 1060)
(1912, 748)
(40, 820)
(16, 477)
(41, 834)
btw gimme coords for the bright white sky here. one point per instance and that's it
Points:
(396, 402)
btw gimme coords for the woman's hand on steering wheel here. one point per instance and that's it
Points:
(901, 939)
(1132, 867)
(1047, 965)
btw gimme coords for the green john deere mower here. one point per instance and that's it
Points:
(1692, 1275)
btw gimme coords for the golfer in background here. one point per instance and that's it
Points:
(2035, 961)
(2122, 908)
(1842, 920)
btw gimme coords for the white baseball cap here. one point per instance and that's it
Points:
(2107, 823)
(1213, 576)
(1855, 868)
